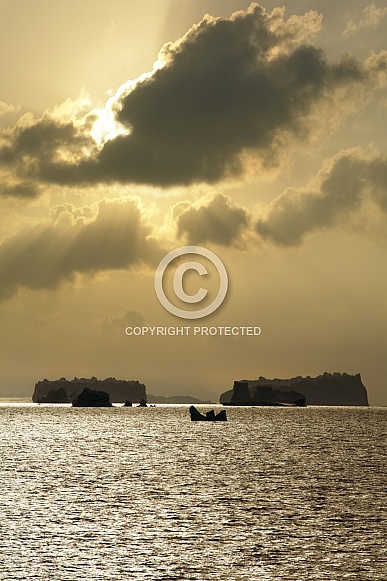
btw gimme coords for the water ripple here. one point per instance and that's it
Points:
(144, 494)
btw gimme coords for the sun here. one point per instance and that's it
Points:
(106, 126)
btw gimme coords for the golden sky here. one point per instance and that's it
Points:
(129, 130)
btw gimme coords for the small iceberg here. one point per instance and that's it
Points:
(210, 416)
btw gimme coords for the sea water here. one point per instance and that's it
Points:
(131, 493)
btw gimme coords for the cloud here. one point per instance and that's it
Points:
(112, 236)
(211, 220)
(45, 321)
(6, 108)
(372, 16)
(346, 181)
(131, 317)
(227, 86)
(46, 141)
(23, 190)
(244, 85)
(59, 136)
(376, 65)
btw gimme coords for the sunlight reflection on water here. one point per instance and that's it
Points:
(144, 494)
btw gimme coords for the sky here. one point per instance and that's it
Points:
(255, 131)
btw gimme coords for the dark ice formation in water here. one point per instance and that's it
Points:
(210, 416)
(119, 390)
(55, 396)
(91, 398)
(339, 389)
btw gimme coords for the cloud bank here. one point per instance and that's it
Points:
(112, 236)
(117, 235)
(341, 187)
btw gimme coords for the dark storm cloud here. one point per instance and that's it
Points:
(222, 90)
(350, 180)
(229, 86)
(71, 242)
(216, 221)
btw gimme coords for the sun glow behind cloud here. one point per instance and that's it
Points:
(106, 126)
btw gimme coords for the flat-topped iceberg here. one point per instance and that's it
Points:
(326, 389)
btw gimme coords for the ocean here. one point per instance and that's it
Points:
(146, 494)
